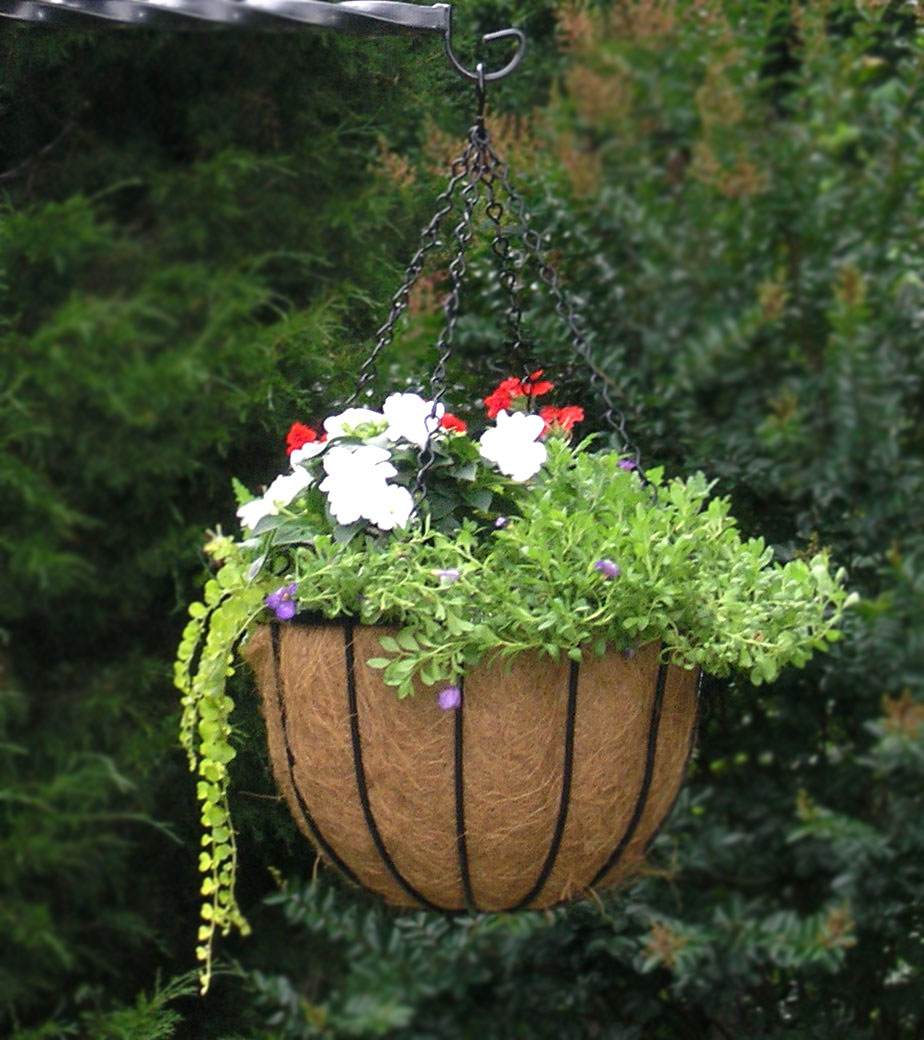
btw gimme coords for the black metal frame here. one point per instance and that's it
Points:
(352, 714)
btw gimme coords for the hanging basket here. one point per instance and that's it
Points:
(549, 780)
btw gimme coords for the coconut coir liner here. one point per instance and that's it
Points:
(514, 728)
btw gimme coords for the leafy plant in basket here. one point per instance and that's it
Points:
(539, 609)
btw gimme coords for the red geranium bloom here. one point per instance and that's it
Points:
(298, 436)
(451, 422)
(563, 418)
(534, 387)
(499, 400)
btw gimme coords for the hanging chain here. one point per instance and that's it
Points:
(532, 242)
(507, 275)
(479, 165)
(463, 232)
(428, 241)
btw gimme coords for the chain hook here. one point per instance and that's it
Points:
(479, 76)
(480, 95)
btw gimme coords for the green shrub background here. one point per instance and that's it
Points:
(198, 237)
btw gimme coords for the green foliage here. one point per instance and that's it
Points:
(463, 588)
(229, 608)
(69, 815)
(393, 973)
(149, 1019)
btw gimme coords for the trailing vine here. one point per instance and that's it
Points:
(228, 607)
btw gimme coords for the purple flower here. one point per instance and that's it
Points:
(501, 521)
(283, 601)
(450, 698)
(629, 653)
(447, 577)
(608, 569)
(627, 464)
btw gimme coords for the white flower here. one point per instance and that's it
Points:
(354, 475)
(389, 507)
(251, 513)
(306, 451)
(357, 463)
(512, 444)
(411, 418)
(357, 489)
(286, 486)
(345, 423)
(279, 494)
(346, 503)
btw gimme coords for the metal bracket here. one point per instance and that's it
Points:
(362, 17)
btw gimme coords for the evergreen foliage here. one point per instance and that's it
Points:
(197, 239)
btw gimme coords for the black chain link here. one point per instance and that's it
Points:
(507, 275)
(428, 241)
(464, 232)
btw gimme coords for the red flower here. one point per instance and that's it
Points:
(298, 436)
(499, 400)
(450, 422)
(533, 387)
(563, 418)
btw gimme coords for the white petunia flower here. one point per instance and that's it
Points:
(279, 494)
(286, 486)
(389, 507)
(251, 513)
(346, 502)
(411, 418)
(354, 475)
(356, 463)
(512, 444)
(345, 423)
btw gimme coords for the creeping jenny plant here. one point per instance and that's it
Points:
(518, 541)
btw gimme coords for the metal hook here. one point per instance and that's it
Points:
(480, 89)
(479, 76)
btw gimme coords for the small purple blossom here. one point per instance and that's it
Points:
(283, 601)
(501, 521)
(627, 464)
(450, 698)
(629, 653)
(447, 577)
(608, 569)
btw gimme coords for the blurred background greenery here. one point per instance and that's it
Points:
(198, 237)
